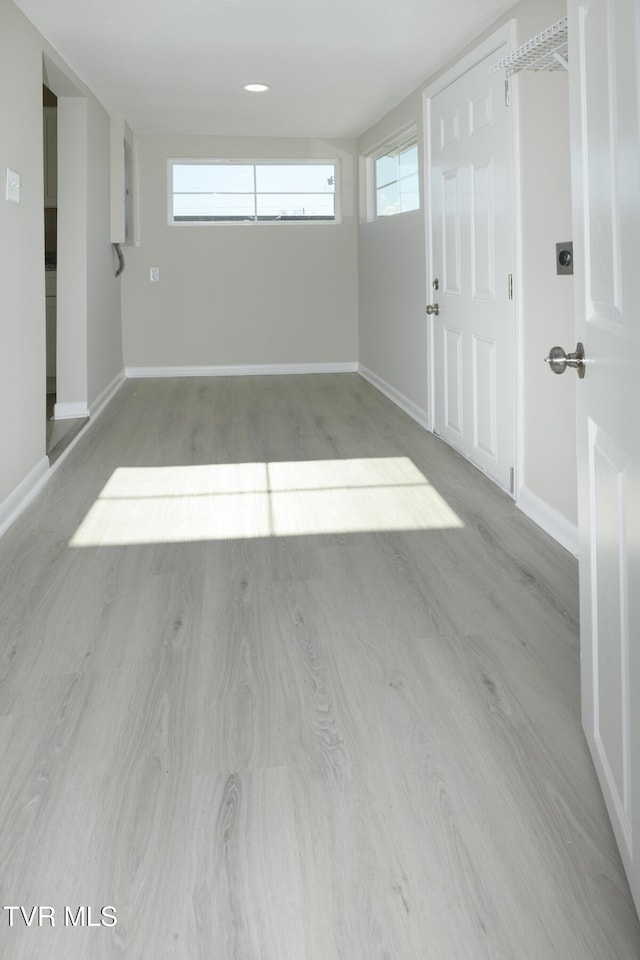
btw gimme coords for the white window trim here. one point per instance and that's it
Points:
(273, 161)
(407, 136)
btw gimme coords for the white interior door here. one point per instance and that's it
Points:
(473, 336)
(605, 104)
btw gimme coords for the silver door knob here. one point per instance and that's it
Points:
(433, 308)
(558, 360)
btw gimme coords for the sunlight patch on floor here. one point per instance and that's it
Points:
(186, 504)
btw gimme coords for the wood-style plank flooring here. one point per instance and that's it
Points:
(315, 700)
(60, 433)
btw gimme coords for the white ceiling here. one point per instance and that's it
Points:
(335, 66)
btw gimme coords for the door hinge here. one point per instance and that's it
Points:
(507, 94)
(510, 286)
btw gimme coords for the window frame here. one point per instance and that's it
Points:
(256, 162)
(397, 144)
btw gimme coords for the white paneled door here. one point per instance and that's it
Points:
(605, 108)
(473, 334)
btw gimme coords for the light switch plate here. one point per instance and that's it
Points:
(13, 186)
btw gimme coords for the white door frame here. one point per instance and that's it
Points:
(505, 34)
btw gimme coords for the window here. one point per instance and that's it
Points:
(246, 191)
(396, 179)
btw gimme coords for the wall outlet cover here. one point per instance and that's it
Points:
(13, 186)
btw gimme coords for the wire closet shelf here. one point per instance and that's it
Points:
(547, 51)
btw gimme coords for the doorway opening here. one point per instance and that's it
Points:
(65, 223)
(50, 146)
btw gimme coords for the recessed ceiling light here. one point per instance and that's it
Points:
(256, 87)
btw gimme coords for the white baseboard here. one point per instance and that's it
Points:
(71, 411)
(96, 408)
(23, 494)
(107, 394)
(242, 370)
(414, 411)
(552, 522)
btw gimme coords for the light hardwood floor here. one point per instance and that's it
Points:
(60, 433)
(291, 733)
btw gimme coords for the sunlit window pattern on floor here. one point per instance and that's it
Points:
(237, 501)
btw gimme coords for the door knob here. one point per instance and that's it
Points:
(558, 360)
(433, 308)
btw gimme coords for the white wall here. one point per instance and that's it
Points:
(393, 276)
(104, 327)
(548, 464)
(22, 306)
(239, 294)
